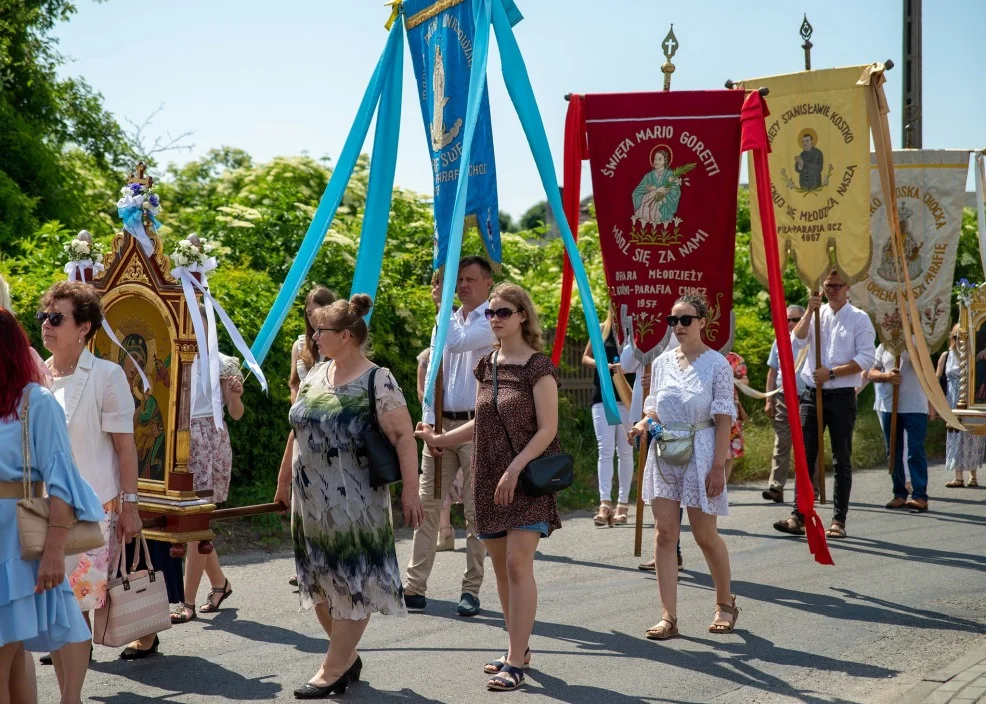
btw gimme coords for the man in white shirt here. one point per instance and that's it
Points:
(776, 409)
(847, 351)
(470, 337)
(912, 419)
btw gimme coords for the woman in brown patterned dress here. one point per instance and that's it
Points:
(525, 418)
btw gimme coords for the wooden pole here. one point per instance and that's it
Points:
(439, 403)
(638, 534)
(893, 418)
(819, 415)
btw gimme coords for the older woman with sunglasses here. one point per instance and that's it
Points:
(99, 409)
(691, 396)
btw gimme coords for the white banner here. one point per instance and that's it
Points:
(930, 191)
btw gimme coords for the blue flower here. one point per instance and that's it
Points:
(154, 200)
(135, 187)
(964, 282)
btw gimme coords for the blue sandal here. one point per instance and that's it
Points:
(510, 678)
(494, 666)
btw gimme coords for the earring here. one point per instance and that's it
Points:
(80, 340)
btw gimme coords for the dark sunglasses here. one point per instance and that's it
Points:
(794, 320)
(685, 320)
(54, 319)
(501, 313)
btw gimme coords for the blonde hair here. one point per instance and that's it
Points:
(607, 325)
(5, 301)
(531, 327)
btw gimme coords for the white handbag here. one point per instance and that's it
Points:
(136, 602)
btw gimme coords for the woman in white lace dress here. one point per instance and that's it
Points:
(691, 388)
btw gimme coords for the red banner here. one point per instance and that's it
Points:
(665, 171)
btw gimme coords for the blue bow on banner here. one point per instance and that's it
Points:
(504, 15)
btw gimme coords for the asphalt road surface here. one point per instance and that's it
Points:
(906, 597)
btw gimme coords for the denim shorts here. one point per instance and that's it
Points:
(543, 528)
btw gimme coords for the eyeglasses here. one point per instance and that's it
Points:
(794, 320)
(54, 319)
(832, 287)
(685, 320)
(501, 313)
(319, 331)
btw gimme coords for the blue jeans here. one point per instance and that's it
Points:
(916, 427)
(543, 528)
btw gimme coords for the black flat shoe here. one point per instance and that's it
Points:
(310, 691)
(139, 654)
(45, 659)
(355, 670)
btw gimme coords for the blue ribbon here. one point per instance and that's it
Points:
(519, 88)
(477, 80)
(331, 198)
(133, 223)
(383, 164)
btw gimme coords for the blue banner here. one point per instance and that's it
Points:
(441, 35)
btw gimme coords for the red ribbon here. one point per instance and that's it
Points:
(576, 151)
(755, 139)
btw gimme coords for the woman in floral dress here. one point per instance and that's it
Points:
(963, 451)
(340, 527)
(691, 385)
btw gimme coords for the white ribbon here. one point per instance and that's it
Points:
(979, 167)
(74, 271)
(209, 363)
(136, 227)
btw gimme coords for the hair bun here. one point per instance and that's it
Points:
(360, 304)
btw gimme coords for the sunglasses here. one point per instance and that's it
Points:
(54, 319)
(685, 320)
(794, 320)
(501, 313)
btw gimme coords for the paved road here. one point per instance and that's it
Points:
(904, 599)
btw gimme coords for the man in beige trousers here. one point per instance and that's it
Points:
(469, 338)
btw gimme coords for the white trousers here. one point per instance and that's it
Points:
(612, 439)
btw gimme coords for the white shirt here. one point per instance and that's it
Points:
(97, 403)
(847, 336)
(911, 398)
(774, 362)
(201, 403)
(468, 340)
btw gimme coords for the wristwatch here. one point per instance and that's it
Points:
(831, 375)
(130, 498)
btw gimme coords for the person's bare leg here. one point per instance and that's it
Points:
(706, 533)
(71, 663)
(194, 567)
(341, 655)
(523, 600)
(23, 685)
(667, 529)
(324, 617)
(497, 550)
(8, 654)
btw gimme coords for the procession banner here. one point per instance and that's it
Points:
(819, 173)
(440, 36)
(665, 171)
(929, 195)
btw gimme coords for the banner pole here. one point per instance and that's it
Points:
(893, 418)
(439, 403)
(638, 534)
(819, 411)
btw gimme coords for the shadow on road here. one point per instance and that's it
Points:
(183, 675)
(227, 620)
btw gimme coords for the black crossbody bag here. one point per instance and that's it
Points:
(385, 466)
(543, 475)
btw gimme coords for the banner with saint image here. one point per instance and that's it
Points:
(665, 171)
(440, 38)
(930, 192)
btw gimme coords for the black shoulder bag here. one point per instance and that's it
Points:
(543, 475)
(385, 467)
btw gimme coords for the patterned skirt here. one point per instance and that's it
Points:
(87, 573)
(211, 458)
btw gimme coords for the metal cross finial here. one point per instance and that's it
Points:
(806, 31)
(670, 45)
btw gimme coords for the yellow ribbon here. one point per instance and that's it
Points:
(397, 6)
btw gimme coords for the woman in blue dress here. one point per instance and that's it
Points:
(38, 610)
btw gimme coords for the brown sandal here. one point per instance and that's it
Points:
(972, 483)
(955, 484)
(180, 615)
(222, 592)
(603, 517)
(836, 530)
(729, 610)
(662, 632)
(620, 517)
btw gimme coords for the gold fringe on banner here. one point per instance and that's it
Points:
(426, 14)
(917, 346)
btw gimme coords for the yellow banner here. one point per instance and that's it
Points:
(819, 136)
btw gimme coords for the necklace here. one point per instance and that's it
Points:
(64, 372)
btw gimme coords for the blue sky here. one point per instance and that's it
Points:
(286, 77)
